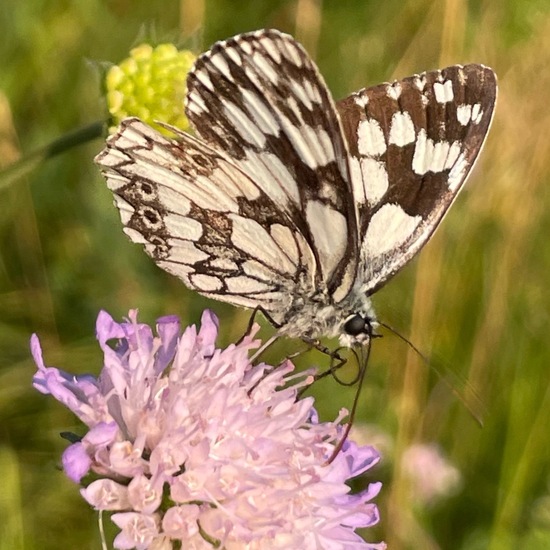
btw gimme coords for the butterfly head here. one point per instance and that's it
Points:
(357, 329)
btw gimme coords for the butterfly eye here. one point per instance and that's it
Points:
(355, 325)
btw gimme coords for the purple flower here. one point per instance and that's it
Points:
(192, 443)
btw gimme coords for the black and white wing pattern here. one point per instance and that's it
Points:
(259, 97)
(412, 143)
(204, 220)
(287, 201)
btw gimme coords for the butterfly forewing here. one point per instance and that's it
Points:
(203, 220)
(260, 98)
(412, 144)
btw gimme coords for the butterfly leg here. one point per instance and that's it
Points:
(360, 378)
(252, 320)
(336, 361)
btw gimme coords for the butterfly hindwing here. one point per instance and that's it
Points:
(203, 220)
(260, 98)
(412, 144)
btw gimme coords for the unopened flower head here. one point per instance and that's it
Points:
(193, 445)
(150, 84)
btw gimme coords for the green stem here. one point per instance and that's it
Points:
(29, 162)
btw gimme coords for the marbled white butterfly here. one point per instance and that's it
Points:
(288, 202)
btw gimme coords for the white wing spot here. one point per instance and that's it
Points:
(284, 238)
(233, 183)
(252, 238)
(168, 195)
(371, 140)
(204, 79)
(260, 112)
(233, 54)
(112, 158)
(312, 91)
(293, 105)
(179, 270)
(182, 227)
(477, 113)
(206, 194)
(357, 180)
(388, 229)
(183, 252)
(433, 157)
(362, 100)
(294, 53)
(420, 82)
(243, 125)
(245, 46)
(257, 270)
(444, 91)
(173, 184)
(296, 137)
(114, 181)
(401, 129)
(319, 144)
(220, 63)
(457, 173)
(423, 152)
(195, 103)
(330, 235)
(300, 92)
(224, 264)
(138, 238)
(454, 151)
(140, 127)
(125, 209)
(261, 63)
(272, 177)
(245, 285)
(271, 49)
(253, 76)
(464, 114)
(439, 156)
(461, 75)
(236, 300)
(131, 137)
(376, 179)
(393, 91)
(162, 155)
(205, 283)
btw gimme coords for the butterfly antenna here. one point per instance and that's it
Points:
(363, 362)
(474, 404)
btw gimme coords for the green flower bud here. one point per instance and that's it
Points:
(150, 84)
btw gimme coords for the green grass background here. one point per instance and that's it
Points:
(477, 297)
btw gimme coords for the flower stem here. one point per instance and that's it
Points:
(29, 162)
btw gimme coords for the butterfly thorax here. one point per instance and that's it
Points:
(314, 315)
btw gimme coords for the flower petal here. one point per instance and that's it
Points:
(76, 462)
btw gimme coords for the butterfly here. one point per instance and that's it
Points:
(288, 202)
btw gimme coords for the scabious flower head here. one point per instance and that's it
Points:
(150, 84)
(195, 446)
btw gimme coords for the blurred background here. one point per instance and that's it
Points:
(476, 299)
